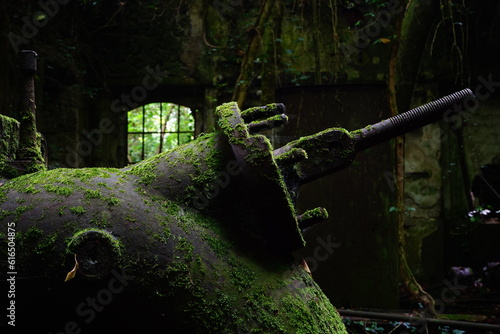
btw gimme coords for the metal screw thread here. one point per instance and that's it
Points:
(411, 120)
(431, 111)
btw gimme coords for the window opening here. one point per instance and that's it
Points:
(158, 127)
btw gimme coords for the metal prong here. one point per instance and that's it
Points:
(291, 157)
(268, 124)
(312, 217)
(256, 113)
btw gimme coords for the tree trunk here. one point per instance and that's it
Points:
(416, 25)
(403, 68)
(244, 79)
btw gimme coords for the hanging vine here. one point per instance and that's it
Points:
(246, 71)
(316, 42)
(456, 15)
(337, 58)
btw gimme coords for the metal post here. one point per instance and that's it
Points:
(28, 147)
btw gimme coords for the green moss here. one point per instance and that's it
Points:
(219, 314)
(146, 170)
(297, 314)
(164, 236)
(9, 144)
(32, 233)
(179, 277)
(59, 190)
(347, 153)
(263, 310)
(316, 213)
(246, 300)
(4, 213)
(92, 194)
(211, 283)
(219, 246)
(46, 245)
(61, 211)
(86, 174)
(104, 185)
(131, 219)
(57, 177)
(241, 276)
(166, 233)
(3, 194)
(188, 154)
(100, 222)
(30, 190)
(17, 212)
(112, 201)
(71, 226)
(37, 252)
(209, 166)
(185, 248)
(235, 134)
(81, 235)
(22, 209)
(148, 177)
(318, 151)
(77, 210)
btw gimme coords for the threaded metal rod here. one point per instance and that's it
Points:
(411, 120)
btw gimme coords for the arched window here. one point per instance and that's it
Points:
(157, 127)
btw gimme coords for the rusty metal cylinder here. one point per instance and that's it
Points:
(27, 112)
(28, 60)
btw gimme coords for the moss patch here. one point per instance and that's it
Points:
(77, 210)
(90, 193)
(9, 143)
(82, 235)
(60, 190)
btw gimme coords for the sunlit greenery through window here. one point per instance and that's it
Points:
(157, 127)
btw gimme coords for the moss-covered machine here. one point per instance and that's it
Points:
(194, 240)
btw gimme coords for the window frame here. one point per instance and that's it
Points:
(162, 128)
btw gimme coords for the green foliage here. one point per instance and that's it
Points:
(157, 127)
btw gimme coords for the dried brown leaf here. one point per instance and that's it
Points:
(72, 273)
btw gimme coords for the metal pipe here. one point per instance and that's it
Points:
(28, 133)
(418, 320)
(411, 120)
(333, 149)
